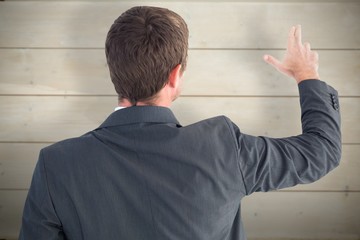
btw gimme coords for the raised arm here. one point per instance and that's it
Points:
(274, 163)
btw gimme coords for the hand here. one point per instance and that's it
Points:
(299, 61)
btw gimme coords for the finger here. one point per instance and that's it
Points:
(316, 56)
(278, 65)
(291, 37)
(298, 34)
(272, 61)
(307, 46)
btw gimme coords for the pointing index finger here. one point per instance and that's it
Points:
(298, 34)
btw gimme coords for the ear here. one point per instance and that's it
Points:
(175, 76)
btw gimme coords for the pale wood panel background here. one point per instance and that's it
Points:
(212, 24)
(319, 215)
(84, 72)
(152, 1)
(52, 118)
(54, 84)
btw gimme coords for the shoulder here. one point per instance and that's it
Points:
(69, 143)
(68, 150)
(219, 127)
(214, 121)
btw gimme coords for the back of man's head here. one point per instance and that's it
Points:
(142, 47)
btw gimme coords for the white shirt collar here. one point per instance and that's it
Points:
(118, 108)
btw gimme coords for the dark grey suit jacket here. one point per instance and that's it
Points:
(141, 175)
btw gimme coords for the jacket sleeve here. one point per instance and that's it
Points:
(39, 219)
(269, 164)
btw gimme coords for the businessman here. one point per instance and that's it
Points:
(141, 175)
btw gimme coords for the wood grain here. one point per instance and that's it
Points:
(302, 215)
(212, 24)
(285, 1)
(209, 72)
(34, 119)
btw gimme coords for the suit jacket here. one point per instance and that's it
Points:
(141, 175)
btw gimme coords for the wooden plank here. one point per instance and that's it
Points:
(275, 117)
(52, 118)
(11, 208)
(302, 215)
(48, 119)
(273, 215)
(17, 162)
(296, 1)
(54, 71)
(210, 72)
(226, 72)
(212, 24)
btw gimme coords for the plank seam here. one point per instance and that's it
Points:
(51, 142)
(190, 49)
(185, 96)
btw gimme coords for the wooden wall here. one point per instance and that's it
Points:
(54, 84)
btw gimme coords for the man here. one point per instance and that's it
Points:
(141, 175)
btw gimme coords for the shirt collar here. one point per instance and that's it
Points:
(118, 108)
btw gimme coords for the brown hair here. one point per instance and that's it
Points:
(142, 47)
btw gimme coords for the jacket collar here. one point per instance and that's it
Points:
(137, 114)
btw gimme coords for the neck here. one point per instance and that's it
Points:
(163, 98)
(159, 100)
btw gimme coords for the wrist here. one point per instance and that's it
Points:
(306, 76)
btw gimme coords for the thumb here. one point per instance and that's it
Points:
(272, 61)
(278, 65)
